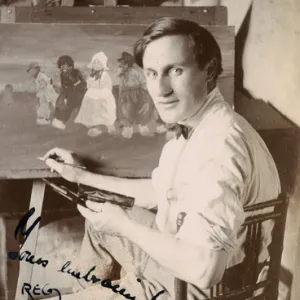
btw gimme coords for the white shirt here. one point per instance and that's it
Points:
(224, 166)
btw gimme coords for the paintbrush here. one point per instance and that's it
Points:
(64, 163)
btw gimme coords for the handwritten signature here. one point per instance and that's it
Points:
(105, 282)
(37, 291)
(28, 257)
(25, 234)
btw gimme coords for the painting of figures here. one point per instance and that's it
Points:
(77, 86)
(74, 86)
(77, 69)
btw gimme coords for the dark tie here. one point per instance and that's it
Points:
(179, 130)
(183, 130)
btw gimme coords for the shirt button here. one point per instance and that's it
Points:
(171, 194)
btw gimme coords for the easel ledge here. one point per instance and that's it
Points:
(107, 15)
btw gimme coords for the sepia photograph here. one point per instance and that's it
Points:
(149, 150)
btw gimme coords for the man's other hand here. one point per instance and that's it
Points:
(106, 217)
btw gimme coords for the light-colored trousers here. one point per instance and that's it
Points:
(140, 275)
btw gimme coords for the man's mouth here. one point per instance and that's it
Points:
(169, 103)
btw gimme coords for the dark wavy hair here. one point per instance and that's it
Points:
(65, 60)
(204, 45)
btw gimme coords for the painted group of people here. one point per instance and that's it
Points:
(93, 98)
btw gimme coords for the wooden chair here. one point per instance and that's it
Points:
(250, 267)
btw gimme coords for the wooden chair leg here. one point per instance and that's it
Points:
(180, 289)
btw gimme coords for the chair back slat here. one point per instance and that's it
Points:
(277, 248)
(278, 201)
(252, 268)
(262, 217)
(245, 293)
(180, 289)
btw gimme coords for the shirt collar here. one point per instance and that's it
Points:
(213, 97)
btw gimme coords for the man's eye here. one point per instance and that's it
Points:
(150, 74)
(175, 72)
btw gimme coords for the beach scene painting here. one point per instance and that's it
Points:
(74, 86)
(87, 71)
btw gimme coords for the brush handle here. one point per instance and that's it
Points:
(64, 163)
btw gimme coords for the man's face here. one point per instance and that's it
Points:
(174, 80)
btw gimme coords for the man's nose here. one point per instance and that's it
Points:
(163, 88)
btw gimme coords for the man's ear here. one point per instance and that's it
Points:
(211, 69)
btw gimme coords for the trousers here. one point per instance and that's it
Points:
(126, 266)
(123, 262)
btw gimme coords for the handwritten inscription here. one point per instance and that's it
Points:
(29, 258)
(26, 255)
(66, 268)
(37, 291)
(89, 277)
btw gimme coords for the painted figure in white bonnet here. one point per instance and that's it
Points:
(98, 108)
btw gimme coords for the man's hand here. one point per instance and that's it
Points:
(106, 217)
(65, 163)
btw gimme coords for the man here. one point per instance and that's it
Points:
(218, 165)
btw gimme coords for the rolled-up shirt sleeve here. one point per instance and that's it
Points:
(215, 196)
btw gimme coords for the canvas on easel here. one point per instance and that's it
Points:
(76, 86)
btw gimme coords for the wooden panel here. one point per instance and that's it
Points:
(124, 15)
(44, 43)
